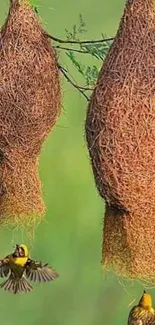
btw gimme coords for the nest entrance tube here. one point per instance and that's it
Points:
(29, 107)
(129, 253)
(120, 133)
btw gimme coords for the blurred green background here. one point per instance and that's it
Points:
(70, 238)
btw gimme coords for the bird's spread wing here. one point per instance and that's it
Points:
(37, 272)
(4, 267)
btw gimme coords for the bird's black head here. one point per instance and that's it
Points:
(19, 251)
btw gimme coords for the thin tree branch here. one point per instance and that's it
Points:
(70, 49)
(79, 42)
(79, 88)
(76, 50)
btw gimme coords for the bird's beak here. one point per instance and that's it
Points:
(144, 292)
(16, 252)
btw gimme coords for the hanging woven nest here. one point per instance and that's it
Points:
(120, 132)
(29, 108)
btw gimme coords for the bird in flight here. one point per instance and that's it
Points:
(19, 268)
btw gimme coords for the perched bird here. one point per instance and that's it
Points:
(143, 313)
(18, 266)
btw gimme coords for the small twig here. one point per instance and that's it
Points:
(79, 88)
(79, 42)
(70, 49)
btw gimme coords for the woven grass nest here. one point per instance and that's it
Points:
(120, 133)
(29, 107)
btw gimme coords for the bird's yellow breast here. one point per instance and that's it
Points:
(21, 261)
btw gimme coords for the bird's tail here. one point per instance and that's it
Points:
(16, 285)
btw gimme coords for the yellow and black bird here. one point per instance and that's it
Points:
(143, 313)
(18, 266)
